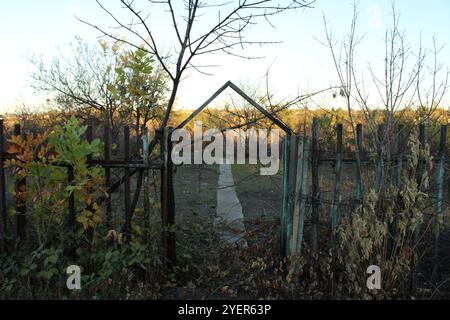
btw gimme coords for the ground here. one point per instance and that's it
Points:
(220, 273)
(208, 270)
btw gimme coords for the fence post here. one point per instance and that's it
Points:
(146, 181)
(419, 175)
(400, 149)
(359, 151)
(421, 164)
(420, 172)
(72, 215)
(440, 191)
(70, 250)
(127, 184)
(3, 213)
(167, 201)
(379, 162)
(337, 186)
(172, 241)
(21, 206)
(291, 190)
(89, 138)
(285, 195)
(315, 232)
(107, 157)
(297, 200)
(303, 197)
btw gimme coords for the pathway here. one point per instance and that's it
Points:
(229, 217)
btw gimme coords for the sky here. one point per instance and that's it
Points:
(299, 64)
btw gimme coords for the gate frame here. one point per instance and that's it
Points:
(286, 192)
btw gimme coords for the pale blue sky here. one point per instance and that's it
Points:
(300, 63)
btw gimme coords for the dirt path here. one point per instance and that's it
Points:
(229, 217)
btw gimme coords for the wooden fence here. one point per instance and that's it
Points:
(300, 180)
(301, 157)
(130, 165)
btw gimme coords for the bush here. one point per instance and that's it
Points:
(386, 230)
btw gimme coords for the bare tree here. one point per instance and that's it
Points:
(344, 62)
(194, 37)
(431, 95)
(395, 87)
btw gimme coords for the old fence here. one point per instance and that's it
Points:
(301, 156)
(301, 192)
(130, 164)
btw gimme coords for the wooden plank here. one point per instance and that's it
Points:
(140, 166)
(291, 188)
(21, 207)
(285, 195)
(358, 155)
(400, 151)
(146, 190)
(304, 196)
(71, 202)
(441, 169)
(379, 161)
(419, 174)
(440, 191)
(165, 197)
(71, 237)
(3, 212)
(335, 208)
(107, 158)
(315, 231)
(89, 138)
(120, 163)
(393, 226)
(359, 137)
(166, 202)
(421, 164)
(127, 185)
(301, 198)
(171, 209)
(297, 198)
